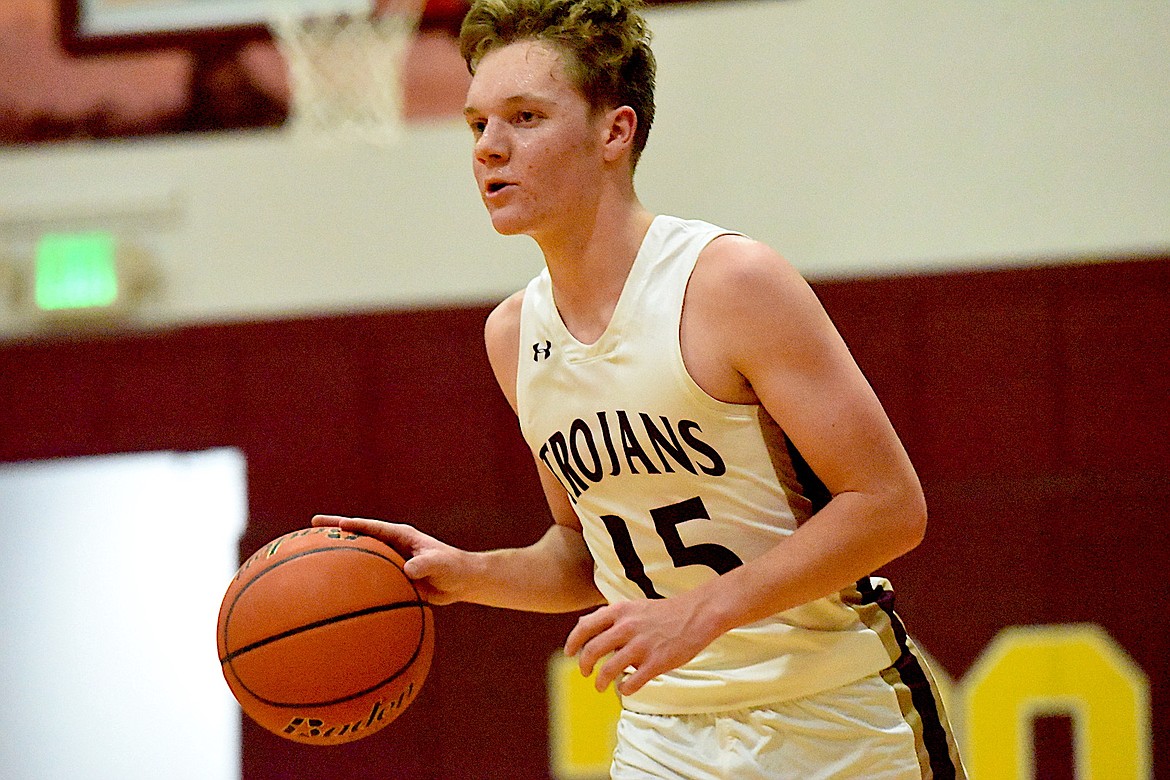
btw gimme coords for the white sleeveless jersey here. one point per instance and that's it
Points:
(674, 487)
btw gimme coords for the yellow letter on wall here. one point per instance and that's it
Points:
(582, 722)
(1074, 670)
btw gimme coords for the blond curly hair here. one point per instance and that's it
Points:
(608, 43)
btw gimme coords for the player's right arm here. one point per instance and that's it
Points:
(555, 574)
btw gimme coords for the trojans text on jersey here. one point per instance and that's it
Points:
(619, 442)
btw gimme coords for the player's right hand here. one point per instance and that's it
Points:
(439, 571)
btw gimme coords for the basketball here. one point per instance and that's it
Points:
(322, 637)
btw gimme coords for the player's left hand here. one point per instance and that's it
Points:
(652, 636)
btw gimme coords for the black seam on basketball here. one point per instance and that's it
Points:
(316, 550)
(422, 635)
(319, 624)
(243, 588)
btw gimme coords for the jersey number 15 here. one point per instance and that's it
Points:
(666, 522)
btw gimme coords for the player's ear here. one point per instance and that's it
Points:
(619, 127)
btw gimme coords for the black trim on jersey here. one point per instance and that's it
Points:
(934, 734)
(811, 485)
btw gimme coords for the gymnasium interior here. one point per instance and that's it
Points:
(979, 194)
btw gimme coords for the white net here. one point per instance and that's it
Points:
(346, 71)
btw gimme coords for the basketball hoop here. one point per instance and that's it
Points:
(345, 68)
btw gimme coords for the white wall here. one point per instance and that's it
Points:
(858, 137)
(110, 585)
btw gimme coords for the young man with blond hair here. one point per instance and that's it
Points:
(722, 479)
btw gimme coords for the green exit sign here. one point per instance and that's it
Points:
(76, 271)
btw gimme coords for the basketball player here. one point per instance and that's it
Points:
(722, 478)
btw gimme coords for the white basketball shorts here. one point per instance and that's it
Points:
(857, 731)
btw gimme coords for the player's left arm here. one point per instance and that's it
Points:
(761, 334)
(803, 374)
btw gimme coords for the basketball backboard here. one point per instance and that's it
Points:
(101, 26)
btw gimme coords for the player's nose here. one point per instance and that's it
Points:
(492, 143)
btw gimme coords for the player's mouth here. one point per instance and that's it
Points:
(495, 186)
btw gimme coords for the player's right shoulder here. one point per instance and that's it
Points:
(503, 323)
(502, 337)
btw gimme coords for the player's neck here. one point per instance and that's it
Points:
(589, 265)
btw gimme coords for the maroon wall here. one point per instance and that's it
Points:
(1034, 403)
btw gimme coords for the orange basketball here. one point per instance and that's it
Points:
(322, 637)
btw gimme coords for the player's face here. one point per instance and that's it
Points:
(537, 144)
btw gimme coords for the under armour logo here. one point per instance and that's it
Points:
(539, 352)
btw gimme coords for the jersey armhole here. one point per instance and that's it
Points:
(692, 387)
